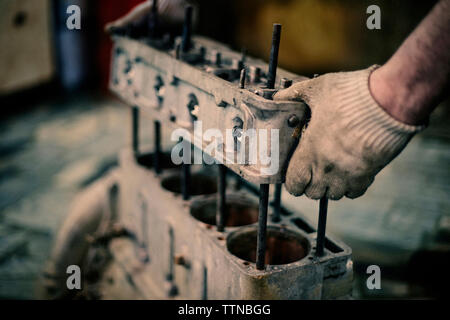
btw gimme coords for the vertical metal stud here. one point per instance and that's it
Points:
(243, 56)
(157, 151)
(285, 83)
(218, 58)
(170, 277)
(135, 130)
(153, 21)
(205, 284)
(186, 43)
(221, 201)
(277, 203)
(238, 183)
(185, 180)
(242, 78)
(254, 74)
(323, 208)
(273, 62)
(262, 227)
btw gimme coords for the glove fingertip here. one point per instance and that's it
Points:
(285, 94)
(296, 192)
(295, 185)
(353, 194)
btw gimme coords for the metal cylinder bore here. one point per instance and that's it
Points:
(283, 246)
(239, 211)
(200, 183)
(148, 161)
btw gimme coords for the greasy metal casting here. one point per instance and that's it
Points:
(177, 93)
(188, 258)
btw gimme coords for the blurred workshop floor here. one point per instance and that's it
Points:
(46, 156)
(50, 152)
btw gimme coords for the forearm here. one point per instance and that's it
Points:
(411, 84)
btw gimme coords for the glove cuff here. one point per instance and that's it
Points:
(362, 114)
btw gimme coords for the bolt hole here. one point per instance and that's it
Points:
(19, 19)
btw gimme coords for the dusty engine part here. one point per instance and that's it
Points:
(191, 236)
(187, 258)
(176, 93)
(196, 80)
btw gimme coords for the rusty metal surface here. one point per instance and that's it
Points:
(174, 255)
(176, 250)
(162, 86)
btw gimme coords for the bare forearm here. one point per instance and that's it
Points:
(416, 78)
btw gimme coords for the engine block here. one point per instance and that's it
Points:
(193, 237)
(178, 92)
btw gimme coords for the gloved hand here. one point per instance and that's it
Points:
(170, 12)
(348, 139)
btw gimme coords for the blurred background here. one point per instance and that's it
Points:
(60, 129)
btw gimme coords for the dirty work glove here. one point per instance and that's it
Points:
(348, 139)
(170, 12)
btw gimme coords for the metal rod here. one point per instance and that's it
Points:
(262, 227)
(157, 152)
(277, 203)
(173, 289)
(153, 20)
(321, 226)
(187, 29)
(185, 180)
(221, 201)
(273, 62)
(135, 129)
(218, 58)
(170, 273)
(243, 56)
(205, 284)
(242, 78)
(238, 183)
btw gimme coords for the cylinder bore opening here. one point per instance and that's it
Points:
(147, 160)
(239, 211)
(200, 183)
(283, 246)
